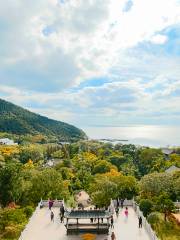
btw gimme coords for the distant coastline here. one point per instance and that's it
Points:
(112, 140)
(142, 135)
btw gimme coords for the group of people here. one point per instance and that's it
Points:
(50, 203)
(61, 213)
(113, 237)
(126, 213)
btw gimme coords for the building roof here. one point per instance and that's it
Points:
(167, 151)
(87, 214)
(172, 169)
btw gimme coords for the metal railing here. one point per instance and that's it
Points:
(145, 223)
(56, 203)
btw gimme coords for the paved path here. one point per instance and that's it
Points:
(40, 228)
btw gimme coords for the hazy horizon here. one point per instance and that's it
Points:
(153, 136)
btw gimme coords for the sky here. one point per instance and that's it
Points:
(92, 62)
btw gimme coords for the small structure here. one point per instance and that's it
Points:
(167, 152)
(7, 141)
(172, 169)
(83, 199)
(87, 221)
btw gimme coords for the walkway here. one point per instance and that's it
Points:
(40, 228)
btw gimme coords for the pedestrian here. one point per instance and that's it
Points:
(113, 237)
(62, 210)
(140, 222)
(50, 204)
(52, 216)
(101, 220)
(61, 218)
(112, 222)
(41, 205)
(126, 212)
(117, 211)
(122, 203)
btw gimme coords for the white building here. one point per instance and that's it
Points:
(7, 141)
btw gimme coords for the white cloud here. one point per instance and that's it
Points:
(86, 38)
(159, 39)
(48, 48)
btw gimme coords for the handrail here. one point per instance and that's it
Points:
(146, 225)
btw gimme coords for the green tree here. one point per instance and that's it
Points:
(102, 191)
(156, 183)
(9, 216)
(58, 154)
(129, 149)
(10, 183)
(126, 186)
(165, 205)
(33, 152)
(174, 160)
(146, 206)
(48, 184)
(103, 166)
(147, 160)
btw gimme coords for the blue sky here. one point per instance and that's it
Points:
(93, 62)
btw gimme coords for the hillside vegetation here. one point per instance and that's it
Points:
(16, 120)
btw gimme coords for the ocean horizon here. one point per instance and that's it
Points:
(145, 135)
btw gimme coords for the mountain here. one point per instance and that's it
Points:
(17, 120)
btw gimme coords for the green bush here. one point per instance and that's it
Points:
(28, 211)
(12, 231)
(146, 206)
(10, 217)
(154, 218)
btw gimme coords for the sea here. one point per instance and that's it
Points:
(144, 135)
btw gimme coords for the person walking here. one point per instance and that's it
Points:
(126, 212)
(113, 237)
(41, 205)
(122, 203)
(140, 222)
(50, 204)
(117, 211)
(112, 222)
(52, 216)
(62, 210)
(61, 218)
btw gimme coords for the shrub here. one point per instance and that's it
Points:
(28, 211)
(154, 218)
(12, 231)
(10, 217)
(146, 206)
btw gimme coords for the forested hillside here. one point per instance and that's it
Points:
(16, 120)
